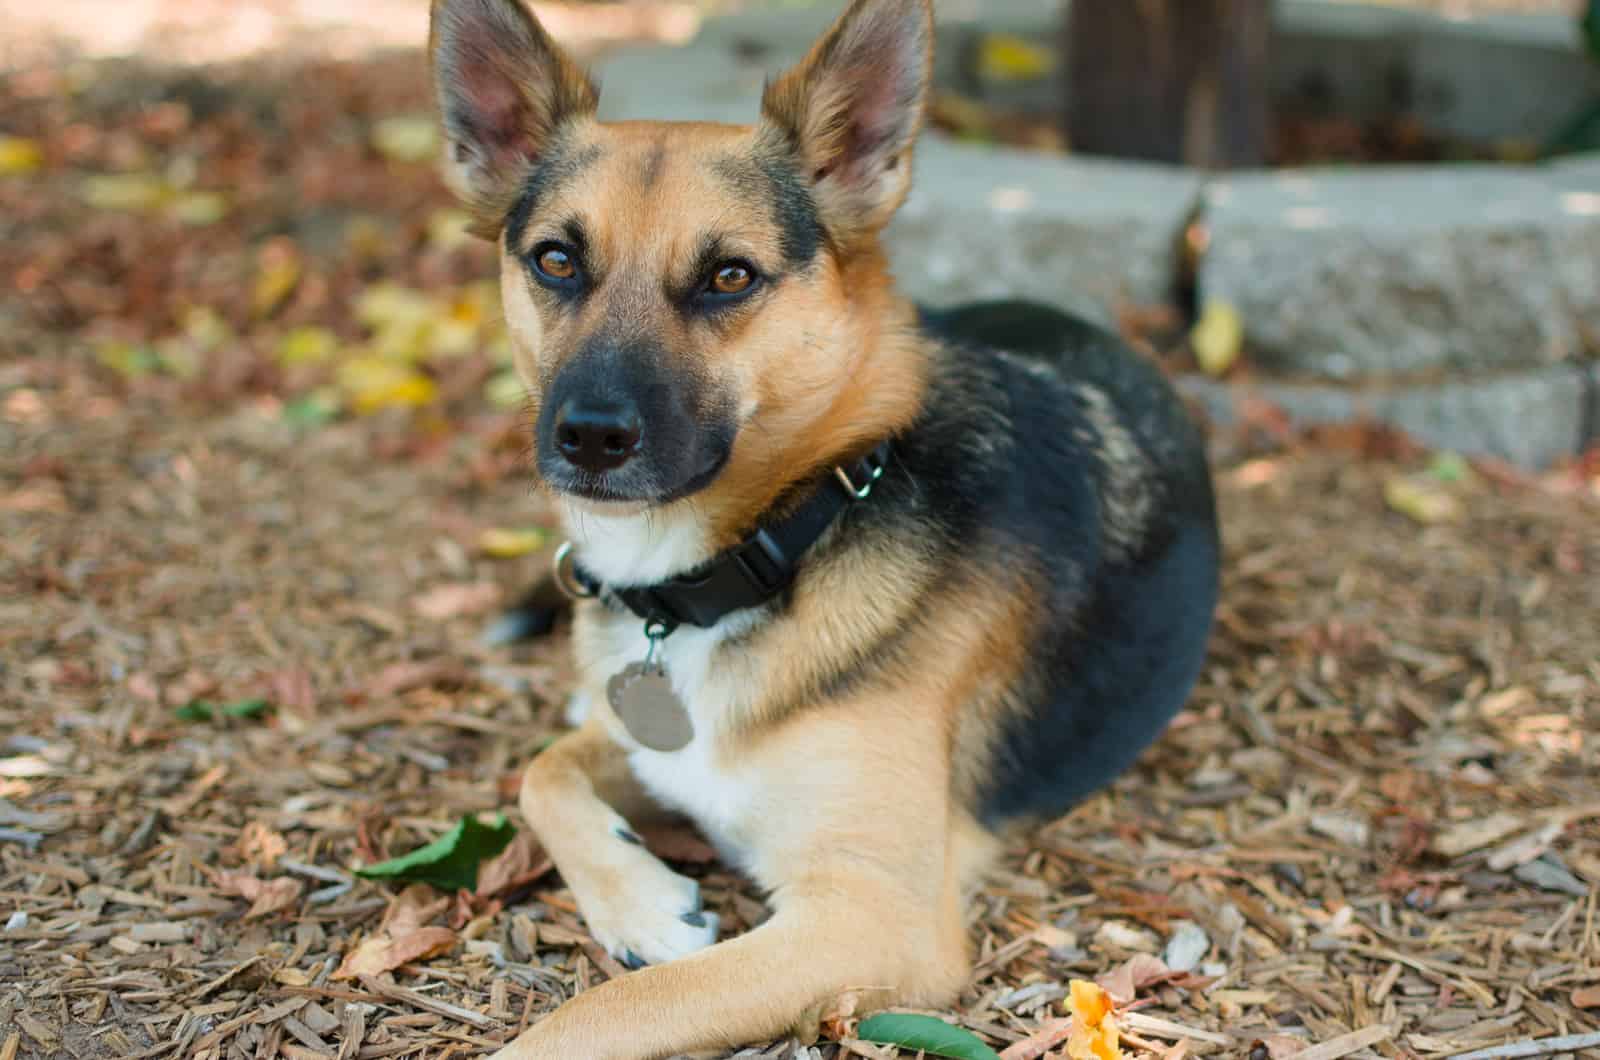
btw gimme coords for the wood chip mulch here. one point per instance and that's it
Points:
(1380, 808)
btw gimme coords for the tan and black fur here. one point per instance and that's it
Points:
(1001, 627)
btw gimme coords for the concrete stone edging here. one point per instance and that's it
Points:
(1531, 419)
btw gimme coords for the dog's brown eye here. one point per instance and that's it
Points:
(732, 279)
(557, 264)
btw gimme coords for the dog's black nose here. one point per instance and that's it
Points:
(596, 436)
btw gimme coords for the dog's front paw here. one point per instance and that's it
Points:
(644, 913)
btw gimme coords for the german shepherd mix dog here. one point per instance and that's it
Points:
(865, 587)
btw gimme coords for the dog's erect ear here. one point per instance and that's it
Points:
(852, 110)
(504, 88)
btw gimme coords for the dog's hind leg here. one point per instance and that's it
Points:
(775, 980)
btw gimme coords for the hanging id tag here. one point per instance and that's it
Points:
(643, 698)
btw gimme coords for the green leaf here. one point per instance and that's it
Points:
(933, 1036)
(205, 710)
(312, 410)
(451, 861)
(1450, 467)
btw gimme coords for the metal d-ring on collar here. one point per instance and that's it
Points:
(564, 567)
(874, 471)
(751, 573)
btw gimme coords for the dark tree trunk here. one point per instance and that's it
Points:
(1170, 80)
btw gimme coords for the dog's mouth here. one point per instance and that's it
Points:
(638, 485)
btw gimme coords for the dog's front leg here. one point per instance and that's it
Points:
(575, 795)
(867, 864)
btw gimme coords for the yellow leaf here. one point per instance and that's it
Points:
(475, 304)
(179, 357)
(308, 345)
(412, 392)
(408, 138)
(199, 208)
(384, 304)
(203, 332)
(499, 344)
(1094, 1034)
(1422, 500)
(402, 320)
(1004, 57)
(509, 544)
(968, 118)
(447, 229)
(376, 383)
(457, 328)
(126, 359)
(365, 238)
(1217, 338)
(129, 192)
(277, 275)
(1520, 152)
(19, 156)
(205, 327)
(505, 391)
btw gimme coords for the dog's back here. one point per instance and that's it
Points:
(1093, 482)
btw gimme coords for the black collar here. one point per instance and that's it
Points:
(751, 573)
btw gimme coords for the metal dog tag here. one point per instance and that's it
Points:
(643, 698)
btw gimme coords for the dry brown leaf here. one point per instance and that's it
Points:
(276, 895)
(264, 896)
(191, 685)
(1141, 970)
(1586, 997)
(384, 953)
(143, 686)
(400, 677)
(678, 843)
(457, 600)
(260, 846)
(521, 862)
(1051, 1034)
(1476, 834)
(1053, 937)
(413, 908)
(837, 1021)
(292, 690)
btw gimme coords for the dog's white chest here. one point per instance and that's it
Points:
(715, 798)
(695, 780)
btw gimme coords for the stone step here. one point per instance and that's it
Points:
(1390, 272)
(1531, 419)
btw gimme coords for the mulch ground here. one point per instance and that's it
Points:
(232, 474)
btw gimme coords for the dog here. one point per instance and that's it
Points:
(865, 588)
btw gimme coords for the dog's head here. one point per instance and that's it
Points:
(690, 303)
